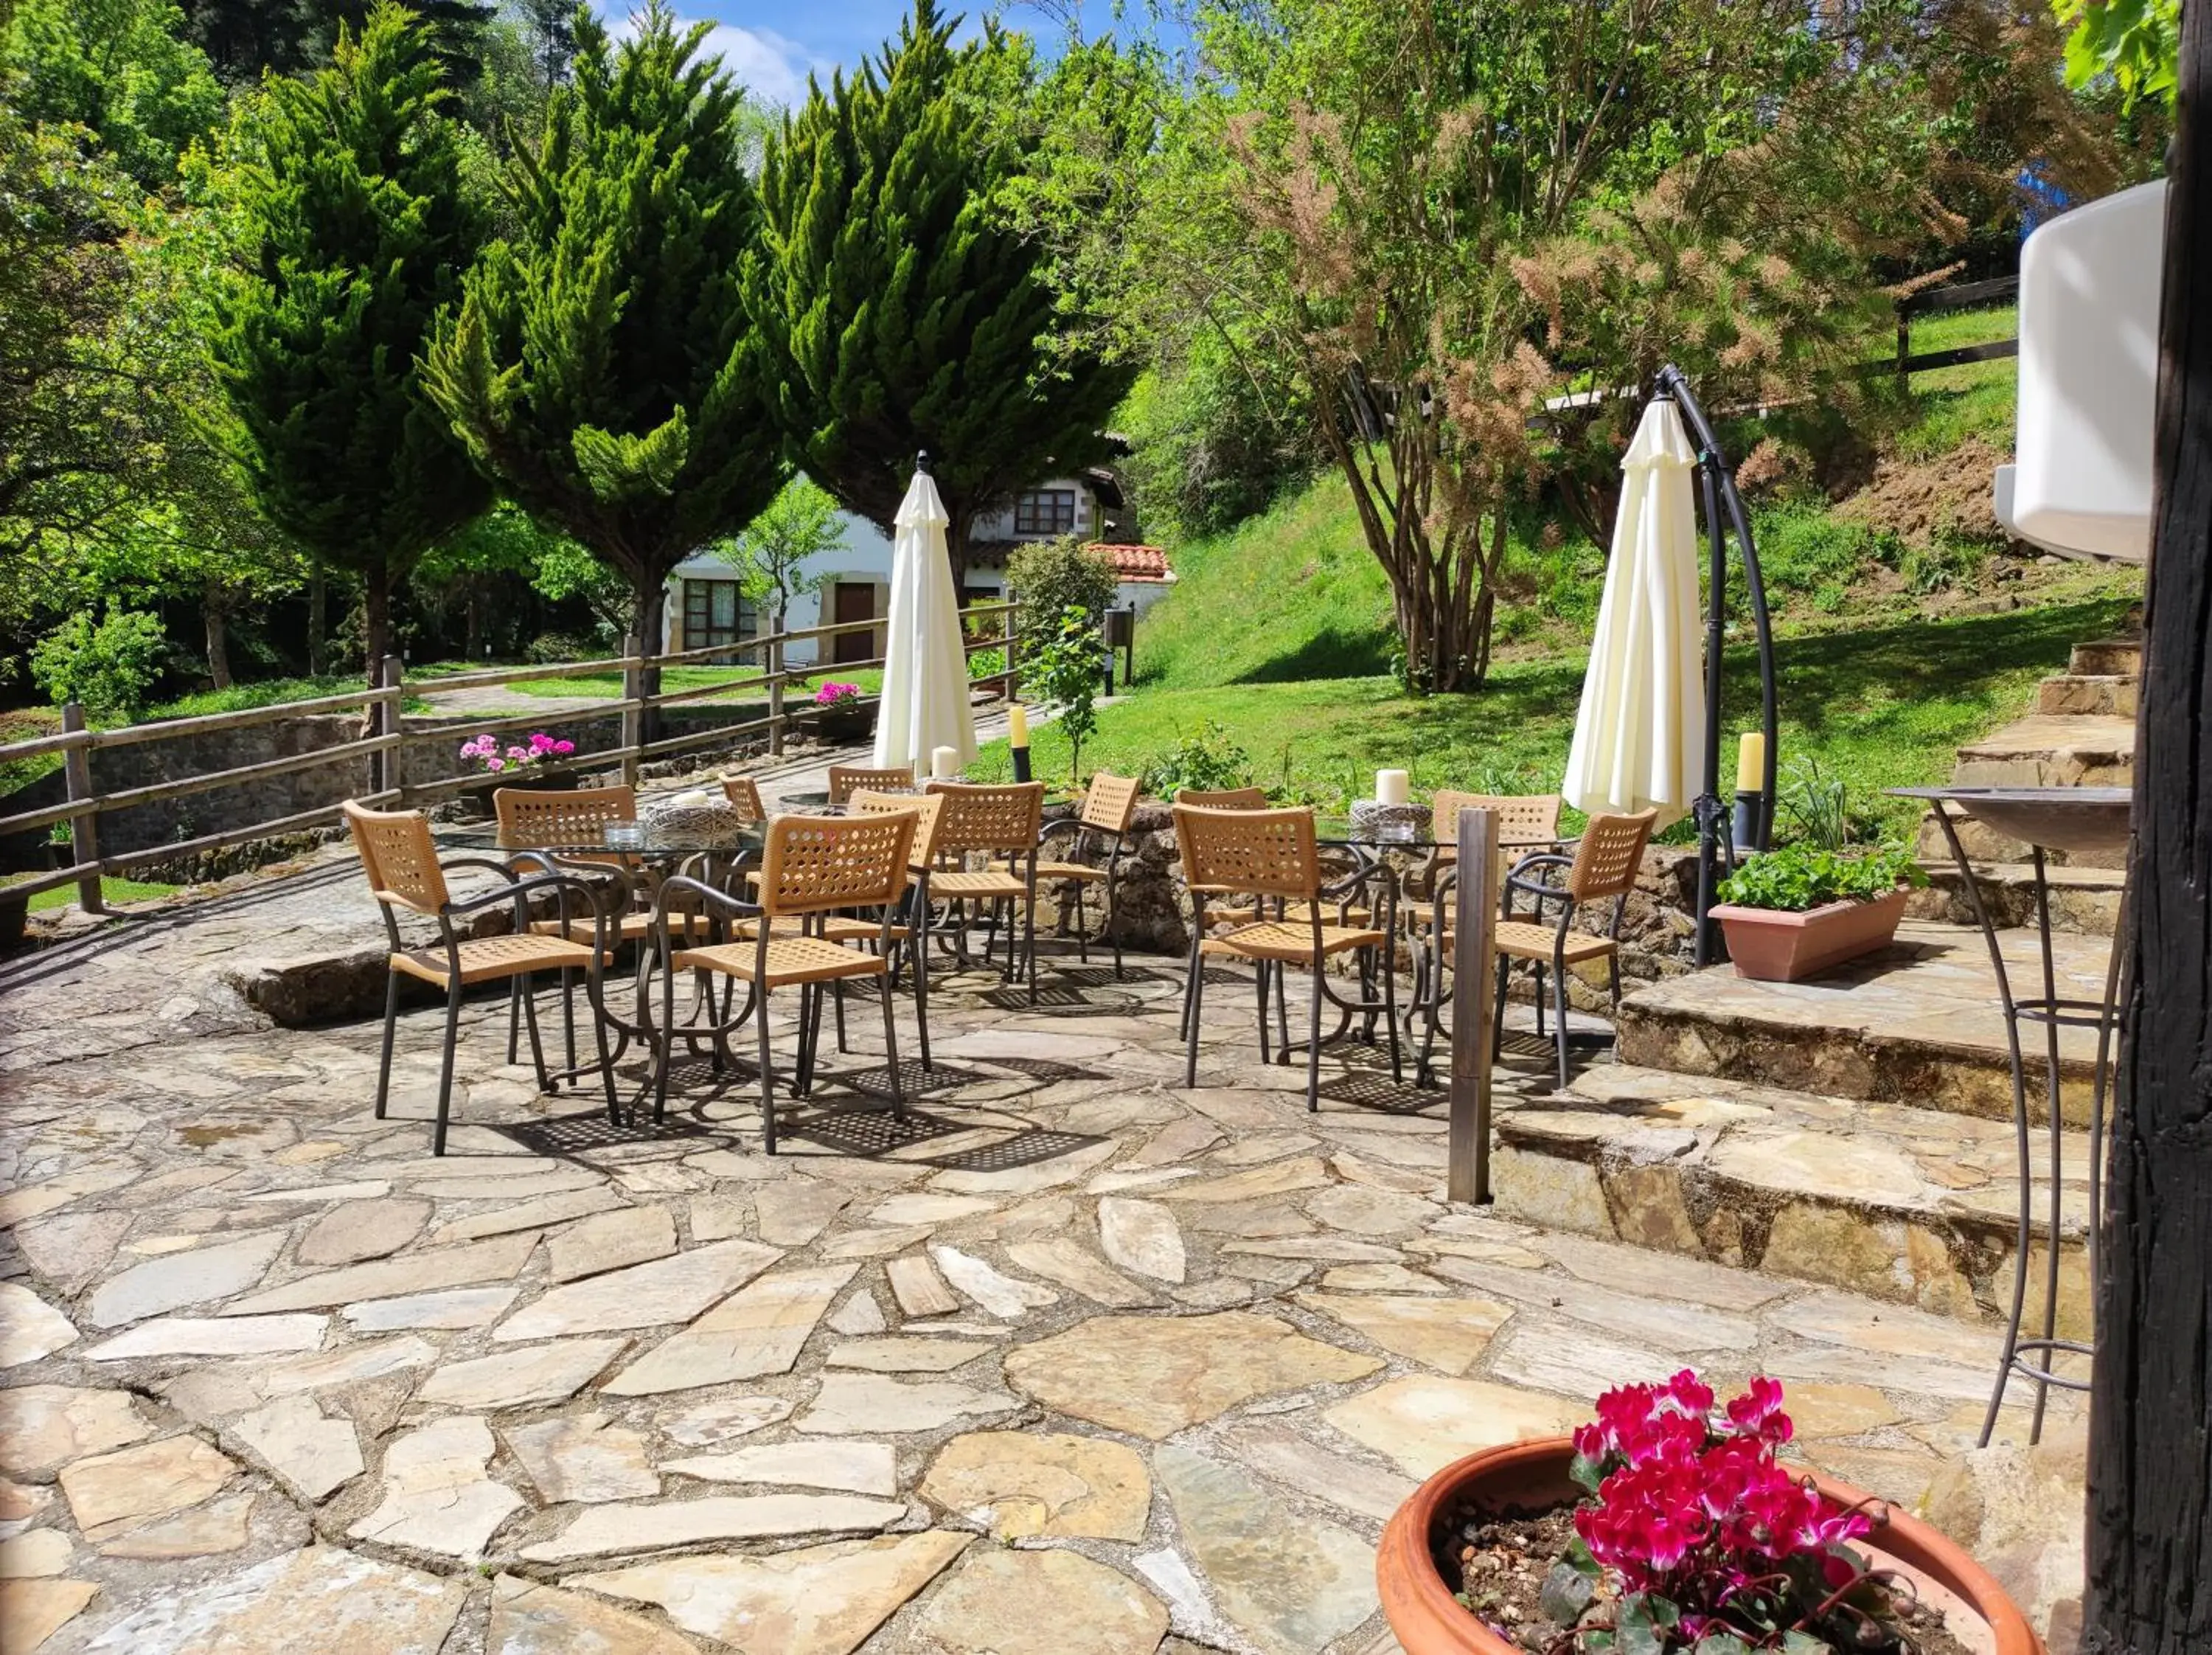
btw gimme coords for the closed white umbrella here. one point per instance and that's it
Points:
(925, 698)
(1644, 697)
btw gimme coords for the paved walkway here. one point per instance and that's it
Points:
(1075, 1358)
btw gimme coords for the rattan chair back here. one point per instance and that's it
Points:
(1259, 852)
(745, 793)
(399, 857)
(1529, 819)
(927, 810)
(1109, 802)
(1222, 798)
(846, 780)
(1607, 860)
(816, 863)
(1002, 820)
(533, 818)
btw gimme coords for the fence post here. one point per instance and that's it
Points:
(1010, 686)
(1904, 340)
(84, 831)
(1475, 1008)
(386, 768)
(633, 717)
(775, 664)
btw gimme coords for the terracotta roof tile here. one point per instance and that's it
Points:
(1138, 563)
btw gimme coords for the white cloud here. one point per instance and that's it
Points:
(771, 67)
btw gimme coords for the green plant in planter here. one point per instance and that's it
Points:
(1799, 877)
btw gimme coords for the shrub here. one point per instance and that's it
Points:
(986, 664)
(551, 649)
(1799, 877)
(1051, 576)
(1066, 670)
(109, 667)
(1206, 759)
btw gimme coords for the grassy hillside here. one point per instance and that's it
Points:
(1903, 630)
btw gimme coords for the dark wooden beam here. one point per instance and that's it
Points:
(2150, 1452)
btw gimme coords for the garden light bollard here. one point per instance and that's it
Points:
(1474, 990)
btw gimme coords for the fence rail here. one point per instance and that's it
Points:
(1931, 301)
(384, 738)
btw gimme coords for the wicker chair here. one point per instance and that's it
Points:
(1101, 823)
(991, 822)
(846, 780)
(1222, 798)
(401, 862)
(811, 867)
(1525, 820)
(745, 793)
(1604, 866)
(1268, 854)
(535, 820)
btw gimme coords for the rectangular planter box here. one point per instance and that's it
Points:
(1770, 946)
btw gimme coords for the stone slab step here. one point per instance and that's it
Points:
(2085, 900)
(2121, 657)
(1916, 1023)
(1909, 1205)
(2040, 751)
(2095, 695)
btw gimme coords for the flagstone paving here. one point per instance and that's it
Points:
(1071, 1360)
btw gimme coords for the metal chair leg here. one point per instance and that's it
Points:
(445, 1064)
(1390, 1016)
(1259, 982)
(1498, 1002)
(1540, 1001)
(766, 1079)
(1028, 940)
(1313, 1044)
(890, 1048)
(1113, 914)
(1195, 1002)
(568, 1018)
(664, 1047)
(837, 998)
(1559, 989)
(606, 1066)
(919, 938)
(537, 1045)
(514, 1021)
(391, 1028)
(1283, 1013)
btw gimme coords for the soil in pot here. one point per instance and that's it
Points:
(1496, 1565)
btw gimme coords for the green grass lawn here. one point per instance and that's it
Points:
(1877, 706)
(114, 889)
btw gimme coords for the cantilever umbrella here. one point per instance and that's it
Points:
(1643, 698)
(924, 697)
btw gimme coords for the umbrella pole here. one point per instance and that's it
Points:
(1715, 842)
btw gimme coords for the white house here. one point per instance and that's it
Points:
(852, 581)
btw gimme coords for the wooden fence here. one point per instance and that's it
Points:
(1963, 295)
(385, 736)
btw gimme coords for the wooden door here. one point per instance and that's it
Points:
(856, 601)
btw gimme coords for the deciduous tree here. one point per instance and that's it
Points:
(357, 228)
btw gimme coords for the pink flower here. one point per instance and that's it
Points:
(494, 764)
(564, 748)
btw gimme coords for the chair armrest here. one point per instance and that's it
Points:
(713, 899)
(520, 894)
(505, 870)
(1073, 824)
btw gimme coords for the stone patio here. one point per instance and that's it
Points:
(1073, 1360)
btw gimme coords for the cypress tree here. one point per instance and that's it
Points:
(357, 226)
(904, 311)
(601, 366)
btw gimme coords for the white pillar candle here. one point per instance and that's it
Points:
(944, 762)
(1391, 787)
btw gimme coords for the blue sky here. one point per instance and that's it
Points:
(772, 44)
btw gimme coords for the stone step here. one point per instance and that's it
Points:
(1909, 1205)
(1986, 844)
(2121, 657)
(2093, 695)
(2083, 899)
(1915, 1023)
(2041, 751)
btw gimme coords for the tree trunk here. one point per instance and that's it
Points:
(955, 545)
(648, 600)
(376, 617)
(2150, 1446)
(319, 600)
(472, 625)
(214, 613)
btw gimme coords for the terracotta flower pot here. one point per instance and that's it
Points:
(1532, 1475)
(1774, 947)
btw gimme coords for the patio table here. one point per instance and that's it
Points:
(2074, 819)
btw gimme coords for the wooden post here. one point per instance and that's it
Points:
(633, 717)
(2150, 1551)
(1010, 686)
(388, 767)
(84, 831)
(776, 685)
(1904, 340)
(1475, 1005)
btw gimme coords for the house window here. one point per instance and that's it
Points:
(715, 613)
(1045, 511)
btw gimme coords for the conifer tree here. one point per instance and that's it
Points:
(357, 226)
(601, 366)
(904, 311)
